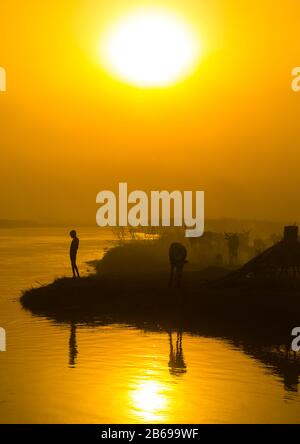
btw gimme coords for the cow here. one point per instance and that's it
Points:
(177, 257)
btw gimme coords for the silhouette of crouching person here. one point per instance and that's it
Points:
(73, 253)
(177, 256)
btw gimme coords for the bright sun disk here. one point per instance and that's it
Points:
(150, 48)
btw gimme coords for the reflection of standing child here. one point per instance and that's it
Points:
(73, 252)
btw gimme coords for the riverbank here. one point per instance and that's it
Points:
(147, 297)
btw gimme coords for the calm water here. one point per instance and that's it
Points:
(58, 373)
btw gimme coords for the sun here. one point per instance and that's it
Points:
(150, 48)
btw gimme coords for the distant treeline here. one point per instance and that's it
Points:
(7, 223)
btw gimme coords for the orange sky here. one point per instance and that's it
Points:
(68, 129)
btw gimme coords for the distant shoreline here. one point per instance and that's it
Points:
(6, 224)
(260, 228)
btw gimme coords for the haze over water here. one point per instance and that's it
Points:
(58, 373)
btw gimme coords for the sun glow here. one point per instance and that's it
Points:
(150, 48)
(150, 400)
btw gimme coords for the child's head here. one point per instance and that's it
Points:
(73, 234)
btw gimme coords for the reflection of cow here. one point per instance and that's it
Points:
(177, 256)
(177, 364)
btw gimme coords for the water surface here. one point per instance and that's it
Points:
(67, 373)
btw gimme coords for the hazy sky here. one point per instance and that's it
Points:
(69, 129)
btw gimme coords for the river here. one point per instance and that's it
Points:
(59, 373)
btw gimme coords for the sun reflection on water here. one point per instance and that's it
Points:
(150, 400)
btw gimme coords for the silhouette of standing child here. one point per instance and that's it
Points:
(73, 252)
